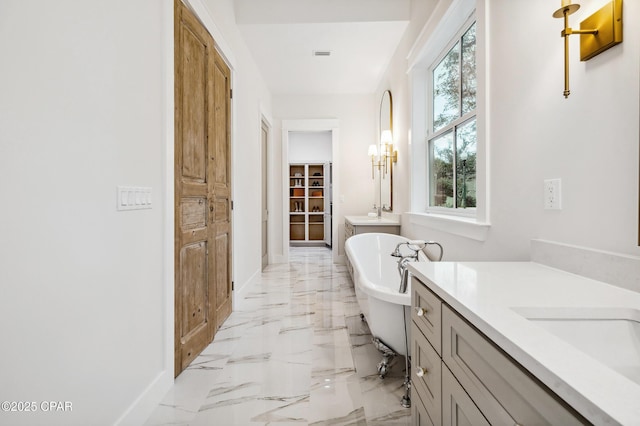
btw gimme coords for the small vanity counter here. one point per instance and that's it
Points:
(512, 303)
(354, 225)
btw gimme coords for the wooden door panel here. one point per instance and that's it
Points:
(221, 123)
(222, 269)
(194, 106)
(193, 267)
(194, 213)
(221, 178)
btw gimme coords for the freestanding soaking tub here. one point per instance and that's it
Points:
(377, 283)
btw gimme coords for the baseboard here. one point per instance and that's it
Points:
(240, 292)
(146, 403)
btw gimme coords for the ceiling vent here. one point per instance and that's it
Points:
(321, 53)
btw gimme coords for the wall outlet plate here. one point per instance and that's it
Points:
(552, 194)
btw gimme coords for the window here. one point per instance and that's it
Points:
(452, 126)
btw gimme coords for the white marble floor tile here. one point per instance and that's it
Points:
(293, 352)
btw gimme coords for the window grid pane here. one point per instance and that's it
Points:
(446, 89)
(452, 153)
(441, 167)
(468, 77)
(466, 165)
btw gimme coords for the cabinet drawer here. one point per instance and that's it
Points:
(503, 391)
(426, 377)
(419, 415)
(457, 408)
(426, 312)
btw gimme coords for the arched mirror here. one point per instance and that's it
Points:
(386, 146)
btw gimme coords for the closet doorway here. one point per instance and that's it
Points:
(309, 210)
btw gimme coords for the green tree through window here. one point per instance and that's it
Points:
(452, 146)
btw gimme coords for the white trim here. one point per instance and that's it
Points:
(144, 405)
(310, 125)
(456, 225)
(450, 18)
(202, 12)
(240, 292)
(447, 18)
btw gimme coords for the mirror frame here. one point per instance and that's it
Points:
(380, 129)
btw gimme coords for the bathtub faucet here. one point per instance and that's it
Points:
(415, 246)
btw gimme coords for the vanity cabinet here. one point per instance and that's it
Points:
(353, 225)
(479, 383)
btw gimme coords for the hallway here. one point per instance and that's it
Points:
(294, 352)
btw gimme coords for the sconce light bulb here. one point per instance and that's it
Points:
(386, 137)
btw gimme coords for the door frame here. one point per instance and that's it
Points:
(311, 125)
(264, 164)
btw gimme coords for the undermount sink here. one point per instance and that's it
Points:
(611, 336)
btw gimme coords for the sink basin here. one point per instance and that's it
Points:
(611, 336)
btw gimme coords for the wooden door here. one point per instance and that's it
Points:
(201, 185)
(265, 212)
(220, 191)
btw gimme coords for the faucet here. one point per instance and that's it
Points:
(415, 246)
(378, 210)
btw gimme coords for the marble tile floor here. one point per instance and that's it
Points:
(293, 352)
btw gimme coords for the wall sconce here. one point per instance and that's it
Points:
(387, 153)
(603, 30)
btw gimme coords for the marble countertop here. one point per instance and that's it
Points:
(490, 295)
(368, 220)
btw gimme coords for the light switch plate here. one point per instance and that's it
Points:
(133, 198)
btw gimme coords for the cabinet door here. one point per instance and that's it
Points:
(425, 373)
(500, 387)
(419, 415)
(457, 408)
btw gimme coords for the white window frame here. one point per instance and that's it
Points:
(452, 126)
(447, 24)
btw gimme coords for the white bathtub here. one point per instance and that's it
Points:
(377, 281)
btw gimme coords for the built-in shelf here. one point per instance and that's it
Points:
(307, 203)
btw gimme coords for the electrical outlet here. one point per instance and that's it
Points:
(552, 194)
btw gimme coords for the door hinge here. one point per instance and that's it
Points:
(230, 93)
(231, 204)
(233, 285)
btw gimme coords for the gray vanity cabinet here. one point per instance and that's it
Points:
(480, 384)
(458, 409)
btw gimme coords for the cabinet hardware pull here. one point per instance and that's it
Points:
(421, 311)
(420, 372)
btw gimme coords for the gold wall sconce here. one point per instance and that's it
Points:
(381, 160)
(599, 32)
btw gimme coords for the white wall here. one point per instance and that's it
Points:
(356, 115)
(310, 147)
(87, 292)
(81, 111)
(589, 140)
(251, 101)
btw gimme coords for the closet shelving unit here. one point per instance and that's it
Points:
(306, 203)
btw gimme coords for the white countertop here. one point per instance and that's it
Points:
(367, 220)
(485, 293)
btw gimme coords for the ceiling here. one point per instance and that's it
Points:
(361, 35)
